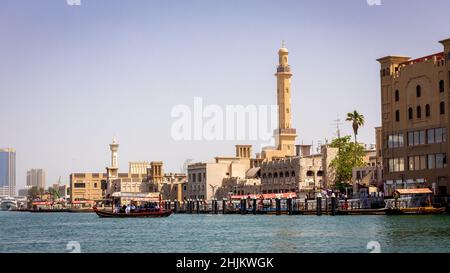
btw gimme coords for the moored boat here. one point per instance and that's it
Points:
(142, 214)
(412, 202)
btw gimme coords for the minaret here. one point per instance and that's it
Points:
(114, 147)
(113, 170)
(286, 134)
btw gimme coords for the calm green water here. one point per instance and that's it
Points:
(28, 232)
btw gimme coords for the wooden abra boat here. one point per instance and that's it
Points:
(416, 210)
(143, 214)
(416, 201)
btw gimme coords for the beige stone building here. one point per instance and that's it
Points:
(87, 186)
(100, 186)
(173, 186)
(415, 114)
(138, 167)
(302, 173)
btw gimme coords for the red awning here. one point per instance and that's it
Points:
(266, 196)
(84, 202)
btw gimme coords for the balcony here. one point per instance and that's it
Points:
(283, 69)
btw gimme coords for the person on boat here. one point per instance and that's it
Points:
(133, 208)
(128, 209)
(124, 207)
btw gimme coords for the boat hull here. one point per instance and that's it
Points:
(148, 214)
(415, 211)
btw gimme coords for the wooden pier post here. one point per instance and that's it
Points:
(255, 206)
(289, 204)
(243, 206)
(175, 206)
(333, 204)
(306, 203)
(215, 207)
(224, 206)
(319, 204)
(326, 204)
(278, 206)
(198, 206)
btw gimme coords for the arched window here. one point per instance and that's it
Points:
(275, 175)
(397, 115)
(309, 173)
(264, 176)
(319, 173)
(441, 86)
(293, 174)
(418, 91)
(281, 174)
(397, 95)
(427, 110)
(286, 174)
(410, 113)
(419, 112)
(442, 108)
(270, 175)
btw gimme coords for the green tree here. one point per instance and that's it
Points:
(33, 193)
(349, 155)
(357, 121)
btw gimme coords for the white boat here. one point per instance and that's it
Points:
(8, 203)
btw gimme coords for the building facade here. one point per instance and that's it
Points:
(138, 167)
(415, 115)
(36, 178)
(7, 172)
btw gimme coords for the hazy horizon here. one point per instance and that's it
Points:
(73, 77)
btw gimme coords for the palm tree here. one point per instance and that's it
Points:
(357, 121)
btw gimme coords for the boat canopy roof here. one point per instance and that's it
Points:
(146, 197)
(414, 191)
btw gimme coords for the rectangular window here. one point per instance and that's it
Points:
(391, 165)
(401, 164)
(422, 137)
(411, 163)
(79, 185)
(440, 161)
(411, 138)
(438, 135)
(423, 162)
(431, 161)
(400, 140)
(416, 138)
(430, 136)
(395, 140)
(416, 163)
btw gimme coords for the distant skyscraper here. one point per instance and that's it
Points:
(36, 178)
(7, 172)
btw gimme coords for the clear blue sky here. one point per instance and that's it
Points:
(73, 77)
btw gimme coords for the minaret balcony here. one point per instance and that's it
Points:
(283, 69)
(287, 131)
